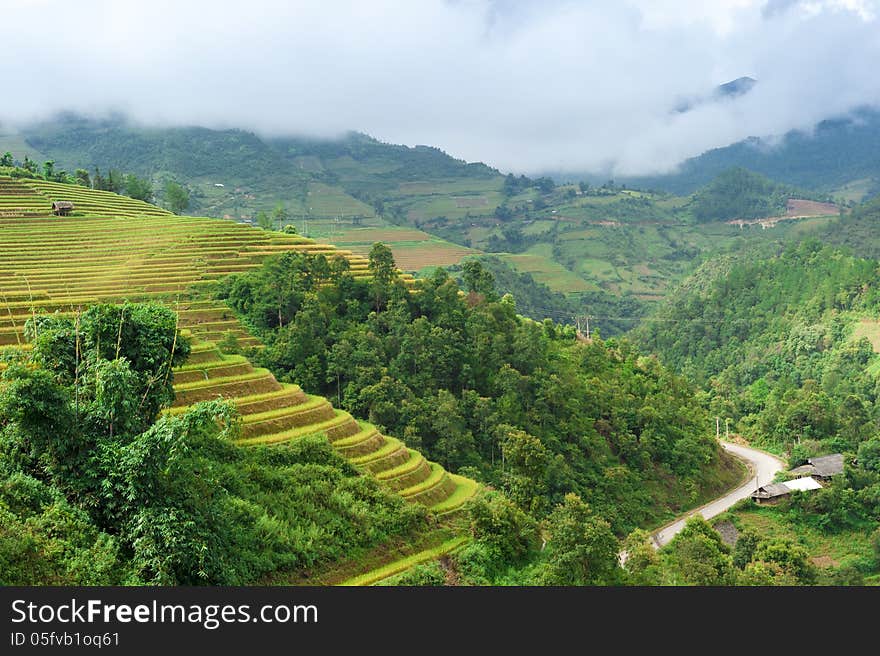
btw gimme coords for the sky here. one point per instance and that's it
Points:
(526, 86)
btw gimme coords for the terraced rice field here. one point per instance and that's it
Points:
(114, 249)
(416, 255)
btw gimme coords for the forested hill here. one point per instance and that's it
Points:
(858, 232)
(777, 342)
(840, 154)
(270, 169)
(522, 406)
(741, 194)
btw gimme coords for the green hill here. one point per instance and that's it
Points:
(463, 379)
(321, 179)
(612, 251)
(839, 156)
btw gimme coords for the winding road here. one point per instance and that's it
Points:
(763, 467)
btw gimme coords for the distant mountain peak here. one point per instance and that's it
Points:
(738, 87)
(727, 91)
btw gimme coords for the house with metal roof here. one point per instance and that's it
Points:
(775, 491)
(823, 467)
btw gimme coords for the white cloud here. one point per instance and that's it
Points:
(526, 86)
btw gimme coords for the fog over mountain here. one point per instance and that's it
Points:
(523, 86)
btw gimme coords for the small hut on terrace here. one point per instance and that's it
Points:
(62, 207)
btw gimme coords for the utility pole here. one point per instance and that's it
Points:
(727, 429)
(717, 427)
(582, 325)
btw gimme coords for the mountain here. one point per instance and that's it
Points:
(840, 155)
(237, 173)
(738, 87)
(609, 249)
(727, 91)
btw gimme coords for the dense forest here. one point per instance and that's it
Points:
(780, 341)
(740, 194)
(772, 338)
(517, 404)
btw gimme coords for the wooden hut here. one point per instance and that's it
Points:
(62, 207)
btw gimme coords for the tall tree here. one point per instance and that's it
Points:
(583, 550)
(138, 188)
(82, 178)
(264, 220)
(384, 272)
(280, 215)
(177, 197)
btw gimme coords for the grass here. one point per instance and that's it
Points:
(391, 445)
(312, 403)
(417, 255)
(870, 328)
(361, 561)
(374, 576)
(549, 272)
(826, 550)
(435, 478)
(730, 475)
(415, 460)
(340, 418)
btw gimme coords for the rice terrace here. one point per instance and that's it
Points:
(115, 249)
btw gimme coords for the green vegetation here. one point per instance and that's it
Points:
(96, 490)
(582, 441)
(740, 194)
(837, 154)
(771, 340)
(473, 386)
(614, 249)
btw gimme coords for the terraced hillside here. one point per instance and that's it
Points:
(113, 249)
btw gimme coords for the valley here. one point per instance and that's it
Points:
(354, 294)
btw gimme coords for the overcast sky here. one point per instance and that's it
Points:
(524, 86)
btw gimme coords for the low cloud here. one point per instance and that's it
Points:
(524, 86)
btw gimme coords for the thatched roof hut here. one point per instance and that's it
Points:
(62, 207)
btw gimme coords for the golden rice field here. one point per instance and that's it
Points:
(113, 249)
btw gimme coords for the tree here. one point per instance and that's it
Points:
(698, 556)
(280, 215)
(384, 272)
(526, 461)
(29, 165)
(177, 197)
(503, 213)
(744, 549)
(792, 559)
(7, 160)
(497, 522)
(138, 188)
(582, 548)
(869, 455)
(478, 279)
(642, 563)
(545, 185)
(115, 181)
(264, 220)
(49, 170)
(82, 178)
